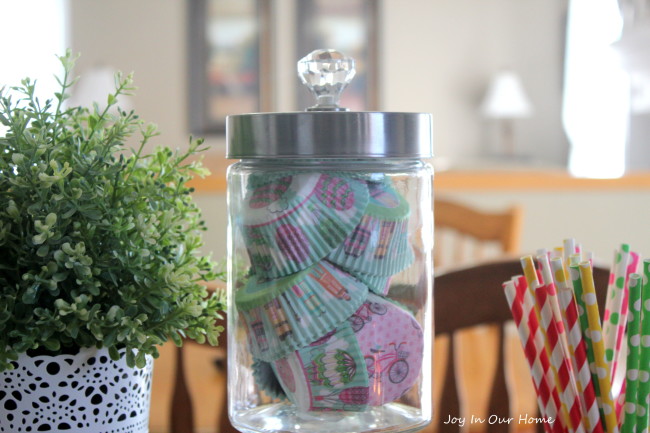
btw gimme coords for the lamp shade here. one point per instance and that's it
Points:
(506, 98)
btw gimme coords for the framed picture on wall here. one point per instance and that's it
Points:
(348, 26)
(228, 70)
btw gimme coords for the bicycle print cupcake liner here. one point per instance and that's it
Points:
(327, 375)
(379, 244)
(289, 313)
(293, 221)
(381, 339)
(392, 344)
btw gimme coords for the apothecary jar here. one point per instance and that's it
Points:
(330, 268)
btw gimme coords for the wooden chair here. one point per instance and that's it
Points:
(470, 297)
(182, 404)
(463, 233)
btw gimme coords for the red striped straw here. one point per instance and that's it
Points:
(547, 278)
(516, 291)
(577, 346)
(566, 387)
(543, 346)
(541, 387)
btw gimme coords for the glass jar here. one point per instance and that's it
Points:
(329, 266)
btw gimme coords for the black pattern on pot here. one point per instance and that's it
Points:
(84, 393)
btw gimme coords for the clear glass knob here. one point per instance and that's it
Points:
(326, 72)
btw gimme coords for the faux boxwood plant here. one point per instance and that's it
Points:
(99, 243)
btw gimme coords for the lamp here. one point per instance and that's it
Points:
(506, 100)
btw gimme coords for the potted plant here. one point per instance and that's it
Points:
(99, 261)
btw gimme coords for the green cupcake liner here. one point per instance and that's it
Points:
(293, 221)
(289, 313)
(379, 244)
(267, 380)
(328, 375)
(379, 285)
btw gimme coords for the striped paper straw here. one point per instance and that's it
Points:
(633, 341)
(559, 362)
(577, 347)
(595, 335)
(643, 392)
(544, 348)
(574, 274)
(542, 389)
(553, 402)
(547, 277)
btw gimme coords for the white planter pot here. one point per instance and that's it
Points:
(83, 393)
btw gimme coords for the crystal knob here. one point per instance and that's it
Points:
(326, 73)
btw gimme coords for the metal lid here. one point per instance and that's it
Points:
(327, 130)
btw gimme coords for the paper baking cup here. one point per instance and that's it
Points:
(267, 380)
(379, 285)
(392, 344)
(293, 221)
(289, 313)
(379, 244)
(328, 375)
(381, 339)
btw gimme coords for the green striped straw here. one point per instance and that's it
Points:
(574, 274)
(633, 340)
(644, 363)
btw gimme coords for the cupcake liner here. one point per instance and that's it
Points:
(289, 313)
(267, 380)
(379, 244)
(376, 284)
(293, 221)
(372, 359)
(392, 344)
(328, 375)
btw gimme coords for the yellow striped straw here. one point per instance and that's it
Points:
(596, 333)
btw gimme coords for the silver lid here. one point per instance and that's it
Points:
(327, 130)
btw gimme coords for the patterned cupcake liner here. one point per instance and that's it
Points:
(289, 313)
(379, 244)
(293, 221)
(372, 359)
(392, 344)
(328, 375)
(267, 380)
(376, 284)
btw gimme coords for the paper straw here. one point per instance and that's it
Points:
(574, 274)
(554, 404)
(569, 246)
(542, 389)
(528, 266)
(618, 375)
(633, 338)
(560, 363)
(644, 362)
(613, 320)
(544, 348)
(577, 347)
(598, 346)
